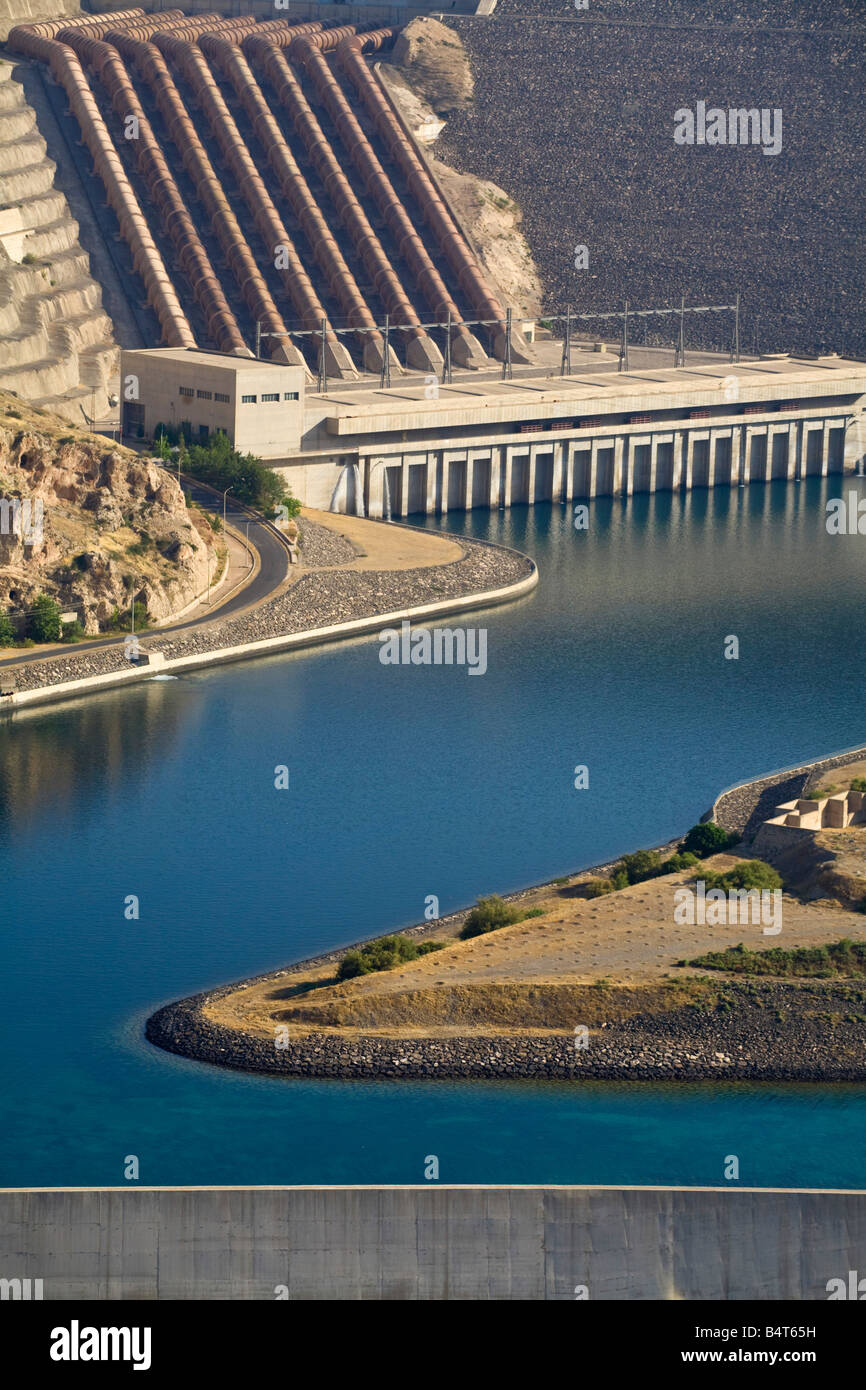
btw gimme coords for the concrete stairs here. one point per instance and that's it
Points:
(58, 347)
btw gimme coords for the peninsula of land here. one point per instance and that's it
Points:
(590, 980)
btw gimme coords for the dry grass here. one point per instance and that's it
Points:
(600, 960)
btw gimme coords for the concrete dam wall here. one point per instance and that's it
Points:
(430, 1242)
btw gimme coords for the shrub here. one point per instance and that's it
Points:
(751, 873)
(679, 861)
(29, 259)
(73, 632)
(44, 624)
(707, 838)
(7, 631)
(858, 784)
(596, 888)
(291, 504)
(383, 954)
(820, 962)
(351, 965)
(489, 914)
(646, 863)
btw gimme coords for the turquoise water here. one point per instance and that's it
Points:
(406, 782)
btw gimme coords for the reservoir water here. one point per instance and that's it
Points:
(406, 782)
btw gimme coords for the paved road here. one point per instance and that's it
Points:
(273, 565)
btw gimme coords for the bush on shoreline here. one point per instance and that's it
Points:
(491, 913)
(706, 839)
(383, 954)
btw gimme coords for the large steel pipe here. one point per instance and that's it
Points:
(465, 347)
(153, 68)
(231, 62)
(67, 71)
(288, 264)
(192, 258)
(179, 24)
(421, 351)
(48, 28)
(349, 57)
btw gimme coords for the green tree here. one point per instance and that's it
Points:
(7, 631)
(707, 838)
(221, 466)
(44, 625)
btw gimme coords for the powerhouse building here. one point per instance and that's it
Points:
(425, 447)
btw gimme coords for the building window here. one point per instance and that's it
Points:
(221, 396)
(274, 396)
(248, 400)
(204, 395)
(186, 391)
(203, 433)
(290, 396)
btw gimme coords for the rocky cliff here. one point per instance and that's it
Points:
(91, 523)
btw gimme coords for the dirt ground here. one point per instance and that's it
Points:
(626, 939)
(388, 547)
(841, 777)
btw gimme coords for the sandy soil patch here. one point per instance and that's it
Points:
(389, 547)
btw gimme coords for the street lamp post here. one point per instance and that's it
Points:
(225, 495)
(249, 552)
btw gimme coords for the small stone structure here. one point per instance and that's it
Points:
(797, 821)
(822, 813)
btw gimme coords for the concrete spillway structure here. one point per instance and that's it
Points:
(431, 1242)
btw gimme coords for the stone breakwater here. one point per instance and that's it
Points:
(746, 807)
(322, 599)
(331, 597)
(321, 547)
(768, 1031)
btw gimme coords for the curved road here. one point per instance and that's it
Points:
(273, 566)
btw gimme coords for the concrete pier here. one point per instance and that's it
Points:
(430, 1242)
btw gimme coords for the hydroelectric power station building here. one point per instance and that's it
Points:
(421, 446)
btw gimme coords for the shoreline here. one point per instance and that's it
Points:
(630, 1052)
(741, 1044)
(485, 575)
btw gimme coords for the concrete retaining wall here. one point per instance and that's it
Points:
(294, 641)
(432, 1242)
